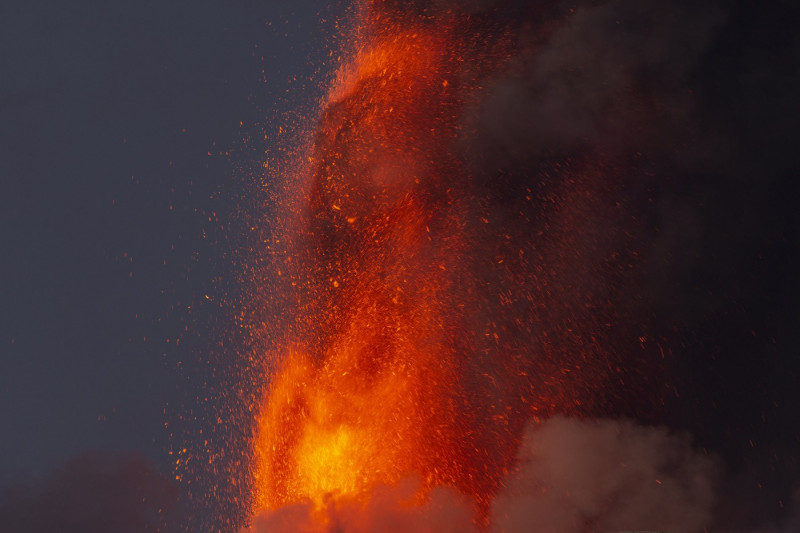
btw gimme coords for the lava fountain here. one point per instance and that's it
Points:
(443, 306)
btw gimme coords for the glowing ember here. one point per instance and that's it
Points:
(367, 398)
(425, 322)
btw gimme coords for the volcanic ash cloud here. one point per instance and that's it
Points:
(573, 476)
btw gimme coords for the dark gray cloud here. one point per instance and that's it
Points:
(611, 76)
(690, 111)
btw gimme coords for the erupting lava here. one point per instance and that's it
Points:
(369, 396)
(425, 318)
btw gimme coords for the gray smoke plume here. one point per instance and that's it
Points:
(573, 477)
(612, 77)
(601, 475)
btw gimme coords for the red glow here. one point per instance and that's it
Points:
(426, 341)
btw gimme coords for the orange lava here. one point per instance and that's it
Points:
(379, 382)
(368, 398)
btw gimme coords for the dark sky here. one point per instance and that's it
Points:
(115, 120)
(122, 165)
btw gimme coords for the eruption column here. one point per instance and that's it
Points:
(368, 395)
(413, 352)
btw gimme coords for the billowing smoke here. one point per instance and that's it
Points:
(391, 509)
(612, 77)
(577, 476)
(573, 476)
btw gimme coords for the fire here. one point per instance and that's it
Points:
(399, 365)
(361, 401)
(369, 396)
